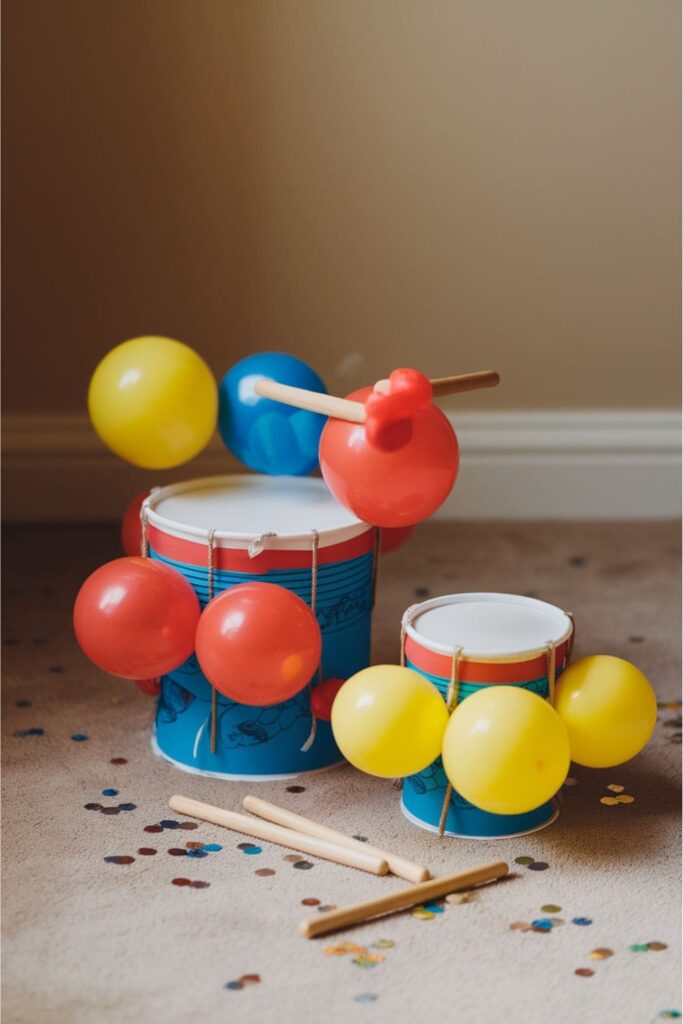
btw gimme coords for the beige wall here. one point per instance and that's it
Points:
(440, 183)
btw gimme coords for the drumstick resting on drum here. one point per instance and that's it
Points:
(361, 859)
(271, 812)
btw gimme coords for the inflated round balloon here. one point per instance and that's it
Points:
(258, 643)
(322, 698)
(154, 402)
(389, 721)
(505, 750)
(393, 539)
(268, 436)
(609, 709)
(131, 527)
(136, 618)
(390, 488)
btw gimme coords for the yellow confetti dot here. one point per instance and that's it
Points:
(602, 953)
(422, 915)
(616, 788)
(611, 801)
(625, 799)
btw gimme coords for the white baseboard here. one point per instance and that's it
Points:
(514, 465)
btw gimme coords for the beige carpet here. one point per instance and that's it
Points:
(87, 941)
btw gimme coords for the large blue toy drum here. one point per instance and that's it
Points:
(498, 639)
(280, 530)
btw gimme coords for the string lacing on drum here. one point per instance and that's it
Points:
(315, 544)
(210, 539)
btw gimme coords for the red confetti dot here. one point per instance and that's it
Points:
(146, 851)
(181, 881)
(153, 828)
(118, 760)
(175, 851)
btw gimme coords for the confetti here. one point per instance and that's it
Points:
(127, 807)
(200, 885)
(310, 901)
(538, 865)
(542, 924)
(79, 737)
(669, 1015)
(147, 851)
(250, 979)
(609, 801)
(292, 858)
(118, 760)
(181, 881)
(524, 860)
(583, 921)
(326, 907)
(176, 851)
(153, 828)
(368, 959)
(233, 985)
(211, 847)
(421, 914)
(602, 953)
(302, 865)
(249, 848)
(110, 792)
(433, 908)
(639, 948)
(462, 897)
(197, 854)
(93, 807)
(264, 872)
(343, 948)
(625, 799)
(296, 789)
(119, 860)
(584, 972)
(365, 997)
(187, 826)
(615, 788)
(194, 846)
(110, 810)
(520, 926)
(169, 823)
(35, 731)
(656, 947)
(551, 908)
(384, 944)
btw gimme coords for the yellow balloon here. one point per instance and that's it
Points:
(609, 709)
(506, 750)
(389, 721)
(154, 402)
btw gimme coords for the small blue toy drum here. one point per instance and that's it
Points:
(221, 531)
(480, 640)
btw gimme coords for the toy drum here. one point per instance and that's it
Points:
(221, 531)
(477, 640)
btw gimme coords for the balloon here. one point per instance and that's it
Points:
(153, 401)
(136, 618)
(322, 698)
(609, 709)
(389, 721)
(393, 539)
(268, 436)
(390, 488)
(131, 527)
(505, 750)
(258, 643)
(150, 687)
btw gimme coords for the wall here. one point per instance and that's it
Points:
(448, 184)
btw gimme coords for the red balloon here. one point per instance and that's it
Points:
(150, 687)
(136, 618)
(391, 539)
(258, 643)
(390, 488)
(322, 697)
(131, 527)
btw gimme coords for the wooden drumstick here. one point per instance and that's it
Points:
(354, 412)
(362, 860)
(333, 920)
(271, 812)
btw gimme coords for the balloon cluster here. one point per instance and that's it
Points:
(504, 748)
(257, 643)
(155, 402)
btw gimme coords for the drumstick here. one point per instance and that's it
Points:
(397, 865)
(333, 920)
(354, 412)
(364, 861)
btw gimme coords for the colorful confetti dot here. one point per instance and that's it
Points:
(233, 985)
(250, 979)
(551, 908)
(79, 737)
(642, 948)
(118, 760)
(181, 881)
(35, 731)
(584, 972)
(110, 810)
(187, 826)
(657, 947)
(200, 885)
(365, 997)
(119, 860)
(524, 860)
(302, 865)
(583, 921)
(127, 807)
(211, 847)
(292, 858)
(433, 908)
(602, 953)
(420, 914)
(249, 849)
(169, 823)
(176, 851)
(147, 851)
(110, 792)
(625, 799)
(614, 787)
(264, 872)
(296, 789)
(310, 901)
(93, 807)
(197, 854)
(153, 828)
(669, 1015)
(538, 865)
(542, 924)
(609, 801)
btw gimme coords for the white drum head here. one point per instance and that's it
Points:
(241, 508)
(491, 627)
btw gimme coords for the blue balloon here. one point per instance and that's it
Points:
(268, 436)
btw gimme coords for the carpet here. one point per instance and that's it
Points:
(87, 940)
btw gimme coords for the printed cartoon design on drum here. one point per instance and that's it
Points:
(278, 739)
(502, 640)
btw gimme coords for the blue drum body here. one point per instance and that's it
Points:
(423, 794)
(266, 742)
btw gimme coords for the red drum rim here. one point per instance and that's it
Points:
(521, 665)
(344, 526)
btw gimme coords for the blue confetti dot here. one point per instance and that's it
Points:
(212, 847)
(365, 997)
(248, 848)
(78, 737)
(433, 908)
(110, 792)
(544, 923)
(29, 732)
(196, 853)
(169, 823)
(582, 920)
(127, 807)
